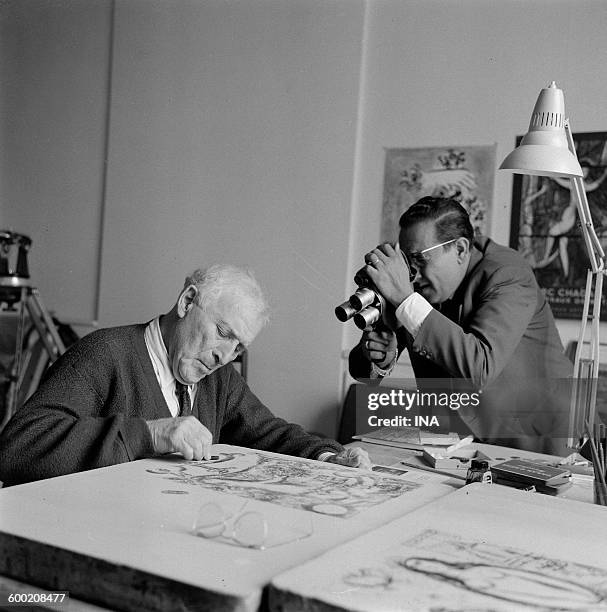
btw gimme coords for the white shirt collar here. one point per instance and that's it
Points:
(159, 355)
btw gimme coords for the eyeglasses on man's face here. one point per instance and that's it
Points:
(247, 528)
(418, 260)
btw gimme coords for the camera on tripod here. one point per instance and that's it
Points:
(36, 339)
(365, 305)
(13, 257)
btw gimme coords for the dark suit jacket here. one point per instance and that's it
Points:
(499, 334)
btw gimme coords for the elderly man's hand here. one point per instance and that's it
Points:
(352, 457)
(185, 435)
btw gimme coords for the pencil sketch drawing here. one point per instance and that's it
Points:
(434, 567)
(290, 481)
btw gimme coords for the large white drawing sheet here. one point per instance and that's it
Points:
(485, 547)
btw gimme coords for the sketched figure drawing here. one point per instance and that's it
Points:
(434, 567)
(510, 584)
(291, 482)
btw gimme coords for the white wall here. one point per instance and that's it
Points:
(53, 100)
(231, 140)
(254, 131)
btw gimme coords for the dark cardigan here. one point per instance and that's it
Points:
(90, 411)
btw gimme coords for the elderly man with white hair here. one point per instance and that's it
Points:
(142, 390)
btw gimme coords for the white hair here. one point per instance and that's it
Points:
(241, 283)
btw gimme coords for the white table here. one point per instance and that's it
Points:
(121, 536)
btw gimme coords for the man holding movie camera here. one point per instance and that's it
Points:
(469, 310)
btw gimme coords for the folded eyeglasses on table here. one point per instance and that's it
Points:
(247, 528)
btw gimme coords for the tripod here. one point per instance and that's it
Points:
(20, 301)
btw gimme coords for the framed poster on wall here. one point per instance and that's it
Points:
(545, 226)
(465, 173)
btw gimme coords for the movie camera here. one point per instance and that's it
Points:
(364, 306)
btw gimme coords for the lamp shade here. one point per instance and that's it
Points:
(544, 150)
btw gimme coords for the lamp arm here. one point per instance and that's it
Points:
(586, 367)
(593, 244)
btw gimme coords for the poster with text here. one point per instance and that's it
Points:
(545, 225)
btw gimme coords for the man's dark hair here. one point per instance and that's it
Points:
(450, 218)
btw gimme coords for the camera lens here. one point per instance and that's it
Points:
(345, 311)
(362, 298)
(367, 317)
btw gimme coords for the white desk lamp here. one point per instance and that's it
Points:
(548, 150)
